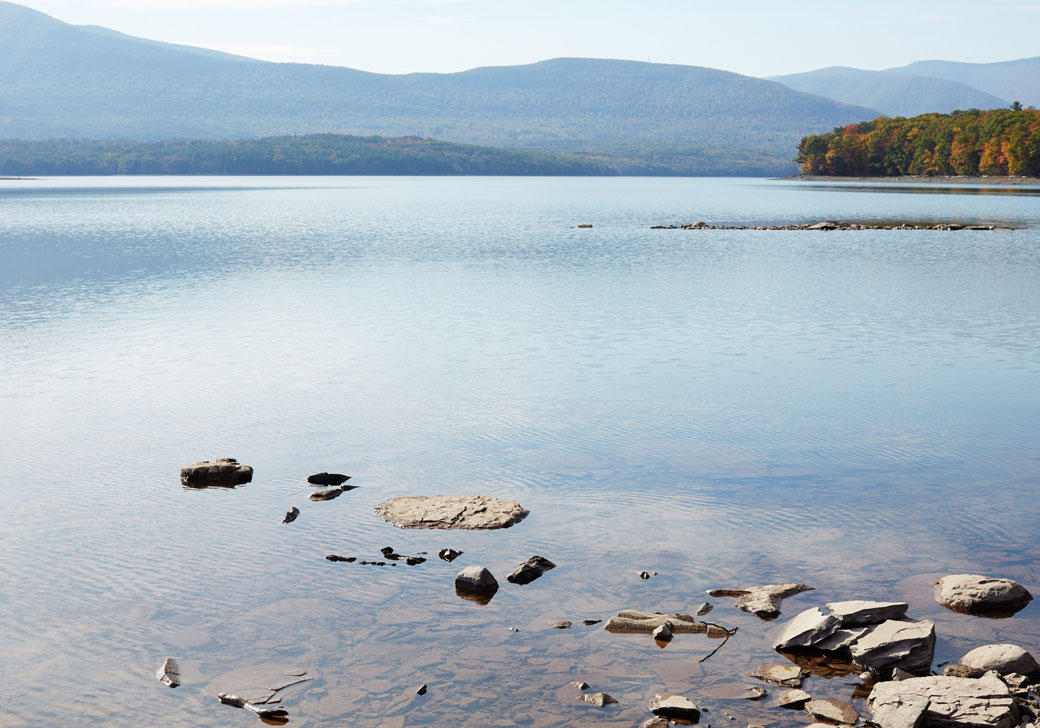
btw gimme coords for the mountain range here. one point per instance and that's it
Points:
(60, 81)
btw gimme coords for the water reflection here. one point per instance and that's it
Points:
(923, 189)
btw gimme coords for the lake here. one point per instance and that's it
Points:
(855, 410)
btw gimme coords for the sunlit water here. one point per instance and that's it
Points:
(853, 410)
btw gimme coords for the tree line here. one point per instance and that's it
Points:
(316, 154)
(996, 142)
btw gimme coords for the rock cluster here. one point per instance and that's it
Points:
(874, 635)
(828, 225)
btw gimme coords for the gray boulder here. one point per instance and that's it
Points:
(903, 643)
(452, 511)
(476, 580)
(981, 595)
(1004, 659)
(222, 471)
(530, 570)
(943, 702)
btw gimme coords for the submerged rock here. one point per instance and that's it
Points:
(291, 515)
(456, 511)
(597, 699)
(326, 495)
(780, 674)
(561, 624)
(530, 570)
(327, 479)
(675, 707)
(981, 595)
(169, 673)
(225, 472)
(755, 692)
(792, 699)
(348, 559)
(832, 711)
(762, 601)
(1004, 659)
(945, 702)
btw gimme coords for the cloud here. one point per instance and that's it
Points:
(442, 20)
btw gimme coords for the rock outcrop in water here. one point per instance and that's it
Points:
(943, 702)
(762, 601)
(452, 511)
(982, 596)
(873, 635)
(226, 472)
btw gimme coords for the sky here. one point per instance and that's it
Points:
(753, 37)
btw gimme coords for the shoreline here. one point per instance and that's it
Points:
(917, 179)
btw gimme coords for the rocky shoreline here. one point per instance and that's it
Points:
(918, 179)
(827, 225)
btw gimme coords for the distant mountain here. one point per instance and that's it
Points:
(1012, 80)
(64, 81)
(894, 93)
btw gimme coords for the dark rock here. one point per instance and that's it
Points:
(663, 633)
(226, 472)
(762, 601)
(644, 574)
(579, 684)
(476, 583)
(414, 560)
(590, 622)
(326, 495)
(449, 555)
(291, 515)
(327, 479)
(422, 689)
(562, 624)
(584, 225)
(530, 570)
(347, 559)
(704, 608)
(982, 596)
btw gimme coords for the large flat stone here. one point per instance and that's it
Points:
(221, 472)
(452, 511)
(903, 643)
(806, 629)
(951, 702)
(633, 622)
(762, 601)
(832, 711)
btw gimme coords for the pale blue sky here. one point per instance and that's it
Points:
(753, 37)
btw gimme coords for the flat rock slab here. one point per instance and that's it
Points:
(949, 702)
(832, 711)
(896, 643)
(762, 601)
(1002, 658)
(222, 471)
(452, 511)
(633, 622)
(859, 612)
(792, 699)
(982, 596)
(675, 707)
(784, 674)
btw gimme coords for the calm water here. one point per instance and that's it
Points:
(859, 411)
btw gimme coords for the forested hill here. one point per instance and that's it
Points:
(996, 142)
(319, 154)
(64, 81)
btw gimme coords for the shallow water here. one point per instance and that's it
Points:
(855, 410)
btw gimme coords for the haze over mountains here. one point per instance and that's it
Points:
(59, 81)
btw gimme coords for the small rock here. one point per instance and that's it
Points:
(784, 674)
(327, 479)
(169, 673)
(590, 622)
(655, 722)
(899, 673)
(584, 225)
(963, 671)
(388, 553)
(1002, 658)
(476, 580)
(347, 559)
(644, 574)
(561, 624)
(981, 595)
(514, 629)
(326, 495)
(675, 707)
(755, 692)
(663, 633)
(422, 689)
(762, 601)
(703, 609)
(530, 570)
(414, 560)
(597, 699)
(449, 555)
(455, 511)
(832, 711)
(632, 622)
(291, 515)
(223, 471)
(792, 699)
(581, 685)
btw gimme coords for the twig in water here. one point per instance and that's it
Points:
(729, 633)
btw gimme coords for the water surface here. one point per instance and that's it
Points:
(854, 410)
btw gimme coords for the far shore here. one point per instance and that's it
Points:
(920, 179)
